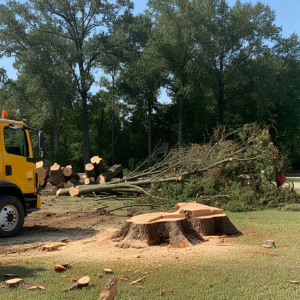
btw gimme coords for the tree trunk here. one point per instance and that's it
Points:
(180, 103)
(56, 133)
(113, 121)
(149, 132)
(85, 125)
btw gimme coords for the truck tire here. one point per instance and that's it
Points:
(11, 216)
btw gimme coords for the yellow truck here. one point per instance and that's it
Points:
(18, 177)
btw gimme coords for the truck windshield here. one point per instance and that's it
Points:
(15, 141)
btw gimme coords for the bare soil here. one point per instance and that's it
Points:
(88, 231)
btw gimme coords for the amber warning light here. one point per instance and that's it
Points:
(4, 114)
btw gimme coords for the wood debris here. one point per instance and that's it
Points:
(160, 293)
(36, 287)
(110, 290)
(138, 280)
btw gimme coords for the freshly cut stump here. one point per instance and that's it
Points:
(213, 225)
(177, 233)
(182, 226)
(206, 220)
(110, 290)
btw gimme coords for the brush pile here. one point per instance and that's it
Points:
(244, 159)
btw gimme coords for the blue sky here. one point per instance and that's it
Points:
(287, 16)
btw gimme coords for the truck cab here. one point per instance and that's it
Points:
(18, 177)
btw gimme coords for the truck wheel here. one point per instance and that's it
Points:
(11, 216)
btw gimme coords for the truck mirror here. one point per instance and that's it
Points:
(41, 143)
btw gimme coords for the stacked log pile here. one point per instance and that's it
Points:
(58, 180)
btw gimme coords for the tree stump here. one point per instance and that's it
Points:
(56, 175)
(182, 226)
(97, 162)
(116, 171)
(90, 171)
(175, 231)
(43, 173)
(206, 220)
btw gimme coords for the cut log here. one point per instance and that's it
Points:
(68, 184)
(73, 191)
(90, 171)
(56, 175)
(83, 281)
(97, 162)
(63, 192)
(177, 233)
(43, 173)
(49, 184)
(110, 290)
(115, 171)
(90, 180)
(100, 179)
(70, 173)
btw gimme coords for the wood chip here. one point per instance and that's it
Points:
(292, 281)
(107, 271)
(138, 280)
(59, 268)
(160, 293)
(36, 287)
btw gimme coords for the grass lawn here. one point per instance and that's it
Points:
(237, 274)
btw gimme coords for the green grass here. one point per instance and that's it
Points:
(237, 274)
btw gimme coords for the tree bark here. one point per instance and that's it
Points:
(113, 120)
(175, 233)
(98, 165)
(56, 175)
(115, 171)
(85, 126)
(90, 171)
(149, 132)
(180, 125)
(56, 133)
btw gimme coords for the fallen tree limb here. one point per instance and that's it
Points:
(132, 205)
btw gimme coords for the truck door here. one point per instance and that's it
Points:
(16, 168)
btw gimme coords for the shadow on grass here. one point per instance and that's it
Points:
(32, 237)
(18, 271)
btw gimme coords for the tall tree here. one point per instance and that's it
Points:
(82, 27)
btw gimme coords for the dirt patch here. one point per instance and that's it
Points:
(89, 232)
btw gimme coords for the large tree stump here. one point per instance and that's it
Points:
(97, 162)
(56, 175)
(177, 233)
(116, 171)
(90, 171)
(206, 220)
(43, 173)
(213, 225)
(182, 226)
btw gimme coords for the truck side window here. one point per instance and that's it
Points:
(15, 141)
